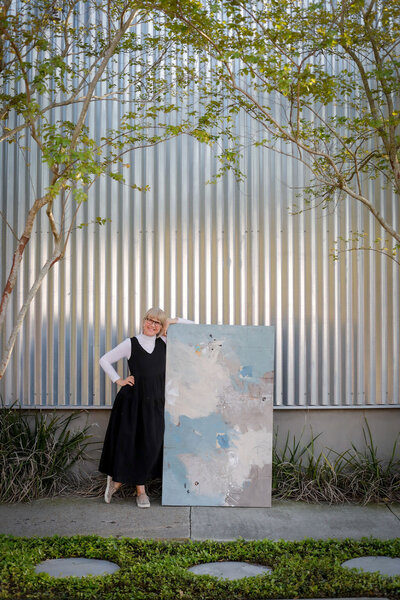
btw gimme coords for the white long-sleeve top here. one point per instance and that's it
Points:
(123, 350)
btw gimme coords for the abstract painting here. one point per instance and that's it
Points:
(218, 416)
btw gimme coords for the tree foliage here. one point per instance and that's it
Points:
(322, 80)
(57, 61)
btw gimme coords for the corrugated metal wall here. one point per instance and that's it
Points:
(226, 253)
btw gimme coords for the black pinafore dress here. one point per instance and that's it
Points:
(133, 445)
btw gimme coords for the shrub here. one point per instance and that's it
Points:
(354, 475)
(37, 453)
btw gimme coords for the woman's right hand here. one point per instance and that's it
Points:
(167, 323)
(130, 380)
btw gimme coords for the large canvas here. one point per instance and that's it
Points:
(218, 416)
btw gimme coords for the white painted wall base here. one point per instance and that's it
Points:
(339, 427)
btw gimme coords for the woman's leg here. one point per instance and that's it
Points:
(142, 500)
(111, 488)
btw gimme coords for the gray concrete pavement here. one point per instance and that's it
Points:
(86, 516)
(287, 520)
(395, 508)
(296, 521)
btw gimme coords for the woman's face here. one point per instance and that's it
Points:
(151, 326)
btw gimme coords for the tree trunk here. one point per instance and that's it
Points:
(18, 255)
(55, 257)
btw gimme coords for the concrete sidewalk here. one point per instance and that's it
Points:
(288, 520)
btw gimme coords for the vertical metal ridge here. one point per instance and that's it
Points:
(230, 253)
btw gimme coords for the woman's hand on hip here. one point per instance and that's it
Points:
(130, 380)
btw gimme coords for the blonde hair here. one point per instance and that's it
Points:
(156, 313)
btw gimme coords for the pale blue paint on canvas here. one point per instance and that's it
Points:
(218, 415)
(246, 371)
(223, 440)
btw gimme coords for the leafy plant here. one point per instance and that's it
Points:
(321, 82)
(330, 476)
(82, 57)
(370, 477)
(299, 473)
(151, 570)
(37, 453)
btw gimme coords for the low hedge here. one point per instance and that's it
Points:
(153, 570)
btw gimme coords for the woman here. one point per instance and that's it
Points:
(133, 445)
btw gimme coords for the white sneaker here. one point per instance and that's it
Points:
(110, 489)
(143, 501)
